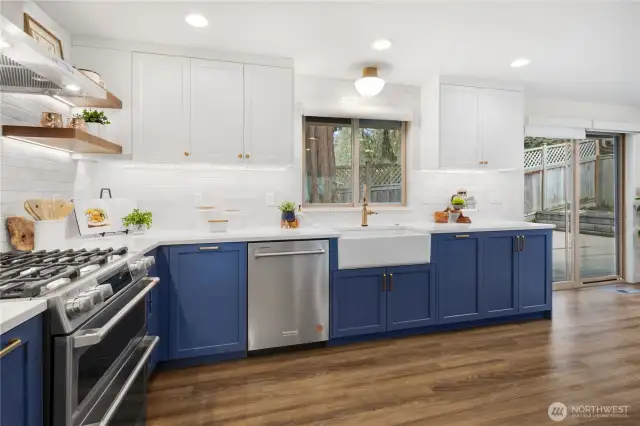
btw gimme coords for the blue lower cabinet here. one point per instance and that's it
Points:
(208, 300)
(499, 274)
(534, 271)
(411, 297)
(459, 277)
(21, 375)
(358, 302)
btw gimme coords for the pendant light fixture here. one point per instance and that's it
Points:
(369, 84)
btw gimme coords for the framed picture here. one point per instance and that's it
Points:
(43, 36)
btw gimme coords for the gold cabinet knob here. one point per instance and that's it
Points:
(186, 154)
(247, 155)
(240, 156)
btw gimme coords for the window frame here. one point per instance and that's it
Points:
(355, 167)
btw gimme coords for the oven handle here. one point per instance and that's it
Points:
(127, 385)
(95, 336)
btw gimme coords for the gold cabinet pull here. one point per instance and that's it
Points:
(390, 282)
(240, 156)
(247, 155)
(13, 345)
(186, 154)
(463, 236)
(384, 282)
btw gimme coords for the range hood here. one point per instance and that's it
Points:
(27, 67)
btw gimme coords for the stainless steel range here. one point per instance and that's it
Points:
(95, 340)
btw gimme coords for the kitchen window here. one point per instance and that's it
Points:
(344, 157)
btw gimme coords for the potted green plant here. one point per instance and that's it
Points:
(457, 202)
(288, 217)
(138, 221)
(94, 120)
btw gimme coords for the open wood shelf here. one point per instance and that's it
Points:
(68, 139)
(110, 102)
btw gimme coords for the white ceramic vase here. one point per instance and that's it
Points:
(96, 129)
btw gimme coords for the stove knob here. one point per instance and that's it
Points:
(94, 294)
(149, 261)
(79, 305)
(106, 290)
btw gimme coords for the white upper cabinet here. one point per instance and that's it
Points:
(114, 67)
(466, 127)
(161, 107)
(216, 112)
(268, 115)
(459, 127)
(501, 128)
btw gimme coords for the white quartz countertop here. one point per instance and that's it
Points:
(480, 226)
(15, 312)
(153, 239)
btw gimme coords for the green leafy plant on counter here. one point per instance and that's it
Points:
(287, 206)
(93, 116)
(457, 201)
(138, 218)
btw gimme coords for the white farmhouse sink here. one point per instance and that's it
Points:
(365, 247)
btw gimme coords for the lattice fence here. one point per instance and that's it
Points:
(546, 175)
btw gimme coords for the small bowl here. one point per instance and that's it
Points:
(218, 225)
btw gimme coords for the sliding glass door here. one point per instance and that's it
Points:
(576, 185)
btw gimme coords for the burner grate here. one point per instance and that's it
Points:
(29, 274)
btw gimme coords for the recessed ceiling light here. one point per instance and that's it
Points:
(196, 20)
(73, 87)
(381, 44)
(520, 62)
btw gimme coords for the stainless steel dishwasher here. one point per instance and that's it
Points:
(288, 293)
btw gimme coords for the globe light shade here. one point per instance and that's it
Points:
(370, 84)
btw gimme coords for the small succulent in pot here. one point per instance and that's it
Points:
(457, 202)
(137, 221)
(288, 209)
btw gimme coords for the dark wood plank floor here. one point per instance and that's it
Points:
(499, 375)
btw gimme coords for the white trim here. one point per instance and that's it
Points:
(575, 122)
(190, 52)
(616, 126)
(555, 132)
(480, 83)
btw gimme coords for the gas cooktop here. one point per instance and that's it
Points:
(37, 273)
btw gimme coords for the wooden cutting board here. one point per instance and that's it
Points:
(21, 231)
(63, 209)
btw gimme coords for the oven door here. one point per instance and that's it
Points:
(85, 362)
(124, 400)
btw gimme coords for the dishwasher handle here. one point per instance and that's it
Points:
(290, 253)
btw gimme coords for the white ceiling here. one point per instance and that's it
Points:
(583, 50)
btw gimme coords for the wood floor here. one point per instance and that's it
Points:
(498, 375)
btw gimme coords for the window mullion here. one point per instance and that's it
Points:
(355, 155)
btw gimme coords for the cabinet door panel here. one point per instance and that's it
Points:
(501, 128)
(459, 271)
(208, 300)
(411, 297)
(268, 115)
(499, 274)
(535, 272)
(216, 111)
(161, 108)
(459, 141)
(358, 302)
(21, 376)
